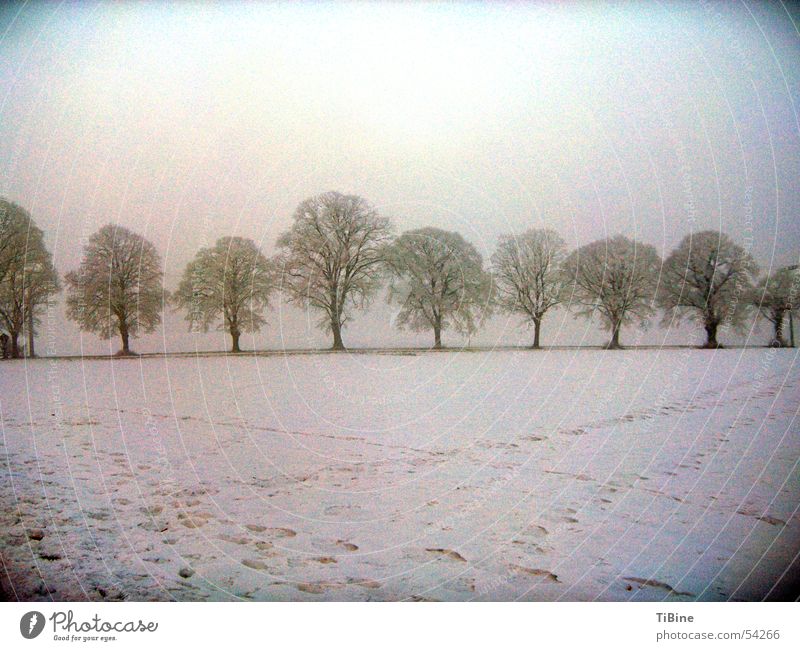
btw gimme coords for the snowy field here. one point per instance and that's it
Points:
(557, 475)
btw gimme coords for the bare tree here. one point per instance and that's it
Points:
(118, 286)
(528, 274)
(30, 278)
(13, 222)
(230, 282)
(615, 278)
(776, 296)
(708, 279)
(332, 257)
(437, 279)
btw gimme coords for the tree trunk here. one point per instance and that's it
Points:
(123, 333)
(14, 345)
(778, 341)
(614, 343)
(437, 337)
(336, 328)
(30, 331)
(711, 334)
(437, 333)
(235, 338)
(537, 326)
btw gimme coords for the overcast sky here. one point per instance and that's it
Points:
(192, 121)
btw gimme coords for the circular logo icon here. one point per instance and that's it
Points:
(31, 624)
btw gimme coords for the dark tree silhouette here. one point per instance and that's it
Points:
(776, 296)
(708, 279)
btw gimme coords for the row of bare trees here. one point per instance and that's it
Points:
(708, 279)
(339, 252)
(28, 278)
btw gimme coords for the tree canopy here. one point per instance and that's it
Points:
(14, 220)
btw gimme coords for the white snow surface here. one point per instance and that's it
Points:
(507, 475)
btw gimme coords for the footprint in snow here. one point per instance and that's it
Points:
(255, 564)
(347, 545)
(652, 583)
(546, 575)
(449, 553)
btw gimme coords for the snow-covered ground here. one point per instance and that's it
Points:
(562, 474)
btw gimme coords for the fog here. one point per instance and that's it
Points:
(192, 121)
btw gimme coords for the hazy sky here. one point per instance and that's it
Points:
(191, 121)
